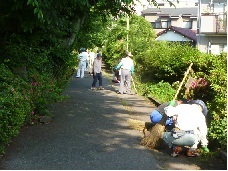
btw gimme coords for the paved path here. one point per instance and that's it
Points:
(89, 131)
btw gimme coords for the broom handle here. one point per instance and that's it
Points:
(186, 73)
(134, 84)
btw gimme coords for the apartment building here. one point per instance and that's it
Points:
(212, 36)
(207, 19)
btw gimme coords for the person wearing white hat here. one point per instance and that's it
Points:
(83, 58)
(127, 69)
(191, 129)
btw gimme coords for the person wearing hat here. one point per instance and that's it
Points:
(97, 72)
(127, 69)
(83, 58)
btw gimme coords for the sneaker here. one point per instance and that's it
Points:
(193, 153)
(101, 88)
(176, 151)
(93, 88)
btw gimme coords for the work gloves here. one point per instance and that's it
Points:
(205, 149)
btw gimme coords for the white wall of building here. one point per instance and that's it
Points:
(216, 44)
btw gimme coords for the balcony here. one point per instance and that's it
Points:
(222, 24)
(214, 23)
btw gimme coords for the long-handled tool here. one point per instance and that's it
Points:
(134, 85)
(182, 82)
(154, 139)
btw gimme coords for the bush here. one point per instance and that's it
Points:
(162, 91)
(15, 106)
(165, 64)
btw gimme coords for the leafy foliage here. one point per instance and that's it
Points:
(168, 62)
(37, 38)
(116, 44)
(161, 91)
(14, 105)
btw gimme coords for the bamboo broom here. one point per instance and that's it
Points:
(154, 140)
(134, 85)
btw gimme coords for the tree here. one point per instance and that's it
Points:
(140, 33)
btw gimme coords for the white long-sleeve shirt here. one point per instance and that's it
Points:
(83, 57)
(190, 117)
(126, 63)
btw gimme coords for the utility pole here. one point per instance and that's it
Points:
(127, 29)
(199, 24)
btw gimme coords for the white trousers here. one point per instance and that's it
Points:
(81, 69)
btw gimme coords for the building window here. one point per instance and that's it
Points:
(153, 24)
(156, 25)
(225, 48)
(161, 4)
(165, 24)
(161, 24)
(187, 24)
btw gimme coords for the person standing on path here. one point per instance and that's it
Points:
(97, 72)
(127, 69)
(91, 60)
(83, 57)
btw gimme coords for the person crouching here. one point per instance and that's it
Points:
(190, 129)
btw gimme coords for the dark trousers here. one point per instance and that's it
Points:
(97, 76)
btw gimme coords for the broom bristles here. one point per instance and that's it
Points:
(136, 124)
(154, 139)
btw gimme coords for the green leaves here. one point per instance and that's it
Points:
(14, 105)
(138, 41)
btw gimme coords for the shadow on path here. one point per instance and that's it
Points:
(89, 131)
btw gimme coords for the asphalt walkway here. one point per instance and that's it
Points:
(89, 132)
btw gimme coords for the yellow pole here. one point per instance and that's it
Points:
(186, 73)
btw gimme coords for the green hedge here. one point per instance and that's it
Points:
(15, 107)
(164, 65)
(30, 82)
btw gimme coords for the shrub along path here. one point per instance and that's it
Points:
(90, 130)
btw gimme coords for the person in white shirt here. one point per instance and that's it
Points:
(127, 69)
(97, 72)
(91, 60)
(191, 129)
(83, 58)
